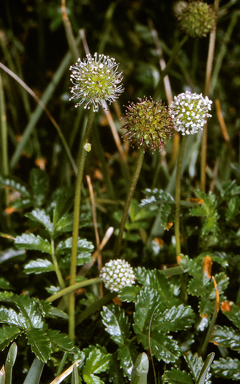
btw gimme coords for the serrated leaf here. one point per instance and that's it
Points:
(8, 334)
(173, 319)
(175, 376)
(140, 370)
(129, 294)
(116, 324)
(127, 355)
(61, 341)
(208, 301)
(9, 316)
(32, 242)
(39, 184)
(11, 253)
(30, 315)
(39, 266)
(233, 314)
(63, 201)
(64, 224)
(195, 364)
(41, 217)
(92, 379)
(227, 368)
(226, 337)
(84, 249)
(96, 362)
(15, 183)
(207, 209)
(163, 347)
(40, 343)
(147, 301)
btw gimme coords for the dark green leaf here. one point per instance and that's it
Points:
(127, 355)
(85, 249)
(226, 337)
(163, 347)
(9, 316)
(15, 183)
(61, 341)
(10, 361)
(146, 303)
(96, 362)
(39, 266)
(173, 319)
(175, 376)
(40, 343)
(39, 183)
(205, 369)
(4, 284)
(92, 379)
(31, 241)
(140, 370)
(64, 224)
(10, 254)
(41, 217)
(35, 372)
(129, 294)
(195, 364)
(8, 334)
(31, 312)
(227, 368)
(63, 202)
(116, 324)
(233, 314)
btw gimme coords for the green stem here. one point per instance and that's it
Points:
(73, 288)
(211, 48)
(178, 194)
(56, 267)
(76, 217)
(128, 201)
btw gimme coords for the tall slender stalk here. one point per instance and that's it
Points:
(76, 217)
(178, 194)
(211, 48)
(128, 201)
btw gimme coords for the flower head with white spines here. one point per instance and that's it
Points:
(117, 274)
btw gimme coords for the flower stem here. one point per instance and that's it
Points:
(178, 194)
(128, 201)
(76, 217)
(211, 48)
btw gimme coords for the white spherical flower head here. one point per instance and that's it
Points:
(189, 112)
(117, 274)
(95, 80)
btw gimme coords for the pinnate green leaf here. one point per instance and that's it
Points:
(175, 376)
(32, 242)
(195, 364)
(129, 294)
(43, 218)
(163, 347)
(15, 183)
(39, 184)
(40, 343)
(233, 314)
(116, 324)
(226, 337)
(96, 362)
(173, 319)
(8, 334)
(146, 303)
(39, 266)
(61, 341)
(127, 355)
(227, 368)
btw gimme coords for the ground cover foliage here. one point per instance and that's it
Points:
(179, 322)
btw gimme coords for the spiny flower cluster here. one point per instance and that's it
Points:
(95, 79)
(148, 124)
(117, 274)
(197, 19)
(189, 112)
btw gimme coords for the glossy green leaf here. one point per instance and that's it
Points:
(30, 315)
(8, 334)
(4, 284)
(116, 324)
(163, 347)
(208, 301)
(227, 368)
(39, 184)
(64, 224)
(63, 201)
(195, 364)
(204, 374)
(11, 254)
(146, 303)
(175, 376)
(207, 209)
(61, 341)
(129, 294)
(127, 355)
(96, 362)
(32, 242)
(85, 249)
(226, 337)
(40, 343)
(41, 217)
(92, 379)
(9, 316)
(233, 314)
(140, 370)
(173, 319)
(39, 266)
(15, 183)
